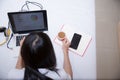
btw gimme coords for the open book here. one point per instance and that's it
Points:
(79, 40)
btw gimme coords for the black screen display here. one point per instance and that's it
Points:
(75, 41)
(24, 22)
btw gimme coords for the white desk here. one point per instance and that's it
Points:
(79, 13)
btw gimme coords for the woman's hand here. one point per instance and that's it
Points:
(22, 40)
(65, 45)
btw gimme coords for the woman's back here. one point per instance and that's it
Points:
(37, 55)
(37, 52)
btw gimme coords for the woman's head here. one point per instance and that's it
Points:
(37, 51)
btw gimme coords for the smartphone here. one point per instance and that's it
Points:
(75, 40)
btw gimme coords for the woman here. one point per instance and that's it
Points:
(37, 55)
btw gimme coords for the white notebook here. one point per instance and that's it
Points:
(83, 42)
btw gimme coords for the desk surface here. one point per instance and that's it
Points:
(79, 13)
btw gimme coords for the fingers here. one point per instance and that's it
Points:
(66, 41)
(22, 40)
(66, 44)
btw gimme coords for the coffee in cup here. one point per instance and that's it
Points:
(61, 35)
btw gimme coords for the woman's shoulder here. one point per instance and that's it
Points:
(59, 74)
(63, 74)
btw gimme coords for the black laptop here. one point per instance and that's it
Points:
(22, 23)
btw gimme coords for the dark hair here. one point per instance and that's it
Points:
(37, 52)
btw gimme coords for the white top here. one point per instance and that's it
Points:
(19, 74)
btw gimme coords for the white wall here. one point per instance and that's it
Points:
(74, 12)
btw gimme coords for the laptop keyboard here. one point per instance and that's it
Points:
(18, 39)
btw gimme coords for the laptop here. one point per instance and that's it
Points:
(22, 23)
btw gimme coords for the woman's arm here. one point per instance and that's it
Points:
(67, 64)
(20, 63)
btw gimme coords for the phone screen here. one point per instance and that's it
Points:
(75, 40)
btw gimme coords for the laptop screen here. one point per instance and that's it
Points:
(25, 22)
